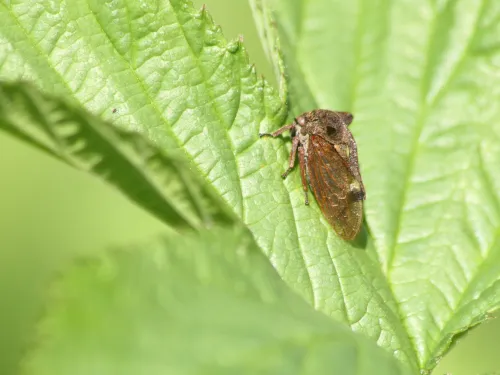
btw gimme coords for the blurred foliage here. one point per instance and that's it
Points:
(204, 304)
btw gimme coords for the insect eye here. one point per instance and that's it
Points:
(348, 118)
(331, 131)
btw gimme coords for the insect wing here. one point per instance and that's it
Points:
(331, 179)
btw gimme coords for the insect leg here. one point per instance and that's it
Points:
(302, 163)
(293, 153)
(279, 131)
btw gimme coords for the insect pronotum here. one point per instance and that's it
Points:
(328, 159)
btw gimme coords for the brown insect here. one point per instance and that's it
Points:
(328, 159)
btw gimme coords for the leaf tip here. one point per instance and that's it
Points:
(203, 13)
(205, 16)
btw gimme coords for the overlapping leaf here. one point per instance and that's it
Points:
(208, 304)
(158, 180)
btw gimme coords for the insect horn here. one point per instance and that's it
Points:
(347, 117)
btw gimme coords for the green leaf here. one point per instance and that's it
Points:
(209, 303)
(422, 81)
(158, 180)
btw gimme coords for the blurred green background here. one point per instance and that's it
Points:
(50, 213)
